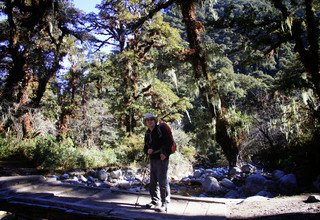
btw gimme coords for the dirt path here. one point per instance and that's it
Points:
(290, 207)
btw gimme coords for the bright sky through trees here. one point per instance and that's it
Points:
(87, 5)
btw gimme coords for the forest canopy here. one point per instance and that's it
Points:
(236, 80)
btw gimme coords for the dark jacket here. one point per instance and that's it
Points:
(159, 141)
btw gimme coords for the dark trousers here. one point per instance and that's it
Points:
(159, 180)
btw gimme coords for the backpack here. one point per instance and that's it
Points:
(168, 129)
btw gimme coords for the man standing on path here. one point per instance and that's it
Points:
(157, 145)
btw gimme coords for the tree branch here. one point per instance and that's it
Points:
(151, 13)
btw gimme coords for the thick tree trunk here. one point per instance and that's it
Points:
(130, 85)
(209, 93)
(312, 63)
(26, 125)
(40, 91)
(43, 82)
(16, 73)
(63, 123)
(23, 98)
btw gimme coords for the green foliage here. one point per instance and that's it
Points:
(50, 153)
(168, 37)
(96, 158)
(238, 123)
(184, 144)
(130, 149)
(7, 146)
(292, 74)
(203, 138)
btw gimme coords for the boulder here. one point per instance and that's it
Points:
(210, 184)
(102, 175)
(232, 194)
(116, 174)
(227, 183)
(277, 174)
(254, 184)
(179, 167)
(288, 184)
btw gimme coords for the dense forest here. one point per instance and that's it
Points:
(238, 80)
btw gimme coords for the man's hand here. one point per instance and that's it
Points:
(150, 151)
(162, 156)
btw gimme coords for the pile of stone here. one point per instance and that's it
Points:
(245, 181)
(239, 182)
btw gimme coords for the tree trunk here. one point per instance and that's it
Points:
(63, 123)
(40, 90)
(209, 93)
(44, 79)
(16, 73)
(312, 63)
(23, 98)
(68, 102)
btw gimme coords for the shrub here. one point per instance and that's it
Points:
(5, 150)
(94, 158)
(50, 153)
(130, 149)
(184, 144)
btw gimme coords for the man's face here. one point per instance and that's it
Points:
(150, 123)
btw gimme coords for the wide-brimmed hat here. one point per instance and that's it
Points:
(149, 115)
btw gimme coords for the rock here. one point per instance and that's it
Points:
(202, 195)
(210, 184)
(123, 184)
(194, 182)
(248, 168)
(218, 174)
(255, 199)
(65, 176)
(254, 184)
(97, 184)
(271, 186)
(185, 179)
(197, 173)
(105, 185)
(52, 178)
(92, 173)
(73, 182)
(265, 194)
(208, 171)
(232, 194)
(129, 175)
(179, 166)
(91, 179)
(83, 179)
(102, 175)
(116, 174)
(227, 183)
(277, 174)
(288, 184)
(312, 199)
(234, 171)
(238, 180)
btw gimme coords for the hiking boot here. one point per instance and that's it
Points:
(162, 208)
(152, 205)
